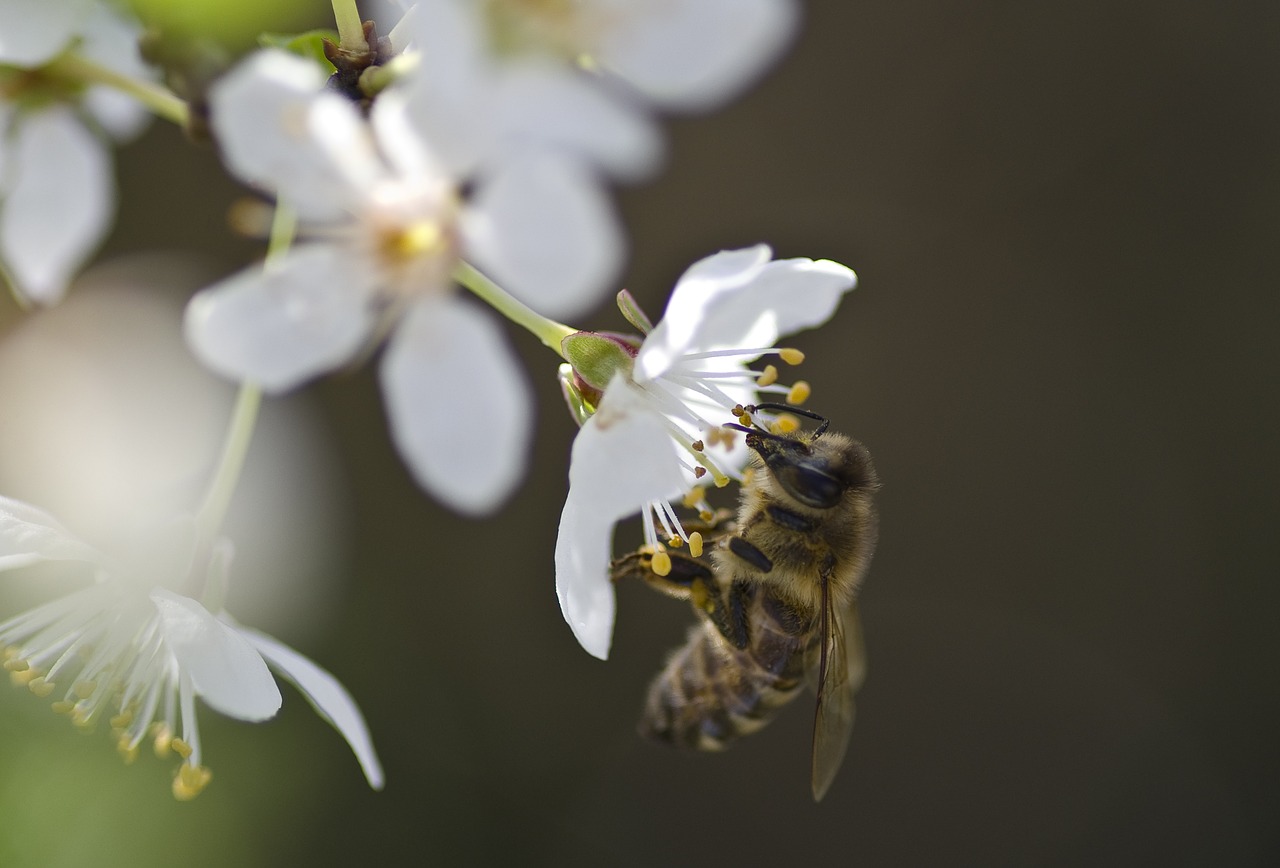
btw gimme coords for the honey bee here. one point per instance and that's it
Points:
(777, 603)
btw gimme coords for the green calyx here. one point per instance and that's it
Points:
(597, 356)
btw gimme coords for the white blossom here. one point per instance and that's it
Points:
(57, 190)
(576, 76)
(657, 429)
(131, 651)
(384, 225)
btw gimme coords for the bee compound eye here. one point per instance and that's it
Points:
(810, 485)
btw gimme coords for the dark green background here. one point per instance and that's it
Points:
(1062, 355)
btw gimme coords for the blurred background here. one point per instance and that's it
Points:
(1062, 355)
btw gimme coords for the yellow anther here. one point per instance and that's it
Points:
(791, 355)
(23, 676)
(163, 739)
(706, 514)
(180, 747)
(799, 393)
(695, 544)
(11, 651)
(190, 781)
(768, 377)
(661, 563)
(720, 480)
(39, 686)
(84, 689)
(128, 750)
(121, 720)
(785, 424)
(695, 495)
(697, 446)
(62, 706)
(16, 664)
(675, 542)
(721, 435)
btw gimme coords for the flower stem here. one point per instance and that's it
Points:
(234, 449)
(245, 415)
(160, 100)
(350, 28)
(550, 332)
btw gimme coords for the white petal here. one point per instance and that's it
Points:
(801, 293)
(29, 535)
(227, 672)
(545, 230)
(694, 54)
(60, 204)
(111, 40)
(451, 92)
(7, 117)
(280, 130)
(701, 286)
(402, 143)
(623, 458)
(280, 326)
(458, 404)
(32, 32)
(326, 695)
(718, 308)
(583, 587)
(564, 110)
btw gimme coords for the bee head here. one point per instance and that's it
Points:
(805, 473)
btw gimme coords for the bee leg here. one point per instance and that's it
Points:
(728, 612)
(686, 572)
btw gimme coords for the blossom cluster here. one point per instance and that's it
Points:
(421, 186)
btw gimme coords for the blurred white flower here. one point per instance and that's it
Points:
(384, 226)
(133, 652)
(650, 436)
(57, 192)
(507, 74)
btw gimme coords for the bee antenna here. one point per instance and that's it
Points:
(760, 432)
(787, 408)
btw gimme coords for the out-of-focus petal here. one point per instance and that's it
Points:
(622, 459)
(281, 131)
(537, 104)
(450, 92)
(326, 695)
(33, 32)
(458, 403)
(543, 227)
(29, 535)
(7, 116)
(401, 142)
(111, 40)
(59, 205)
(697, 291)
(304, 315)
(227, 672)
(692, 55)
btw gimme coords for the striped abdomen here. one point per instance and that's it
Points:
(710, 692)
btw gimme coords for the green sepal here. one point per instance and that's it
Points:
(632, 313)
(309, 44)
(579, 408)
(596, 356)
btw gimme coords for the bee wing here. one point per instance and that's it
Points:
(840, 670)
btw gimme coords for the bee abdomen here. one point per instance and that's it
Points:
(710, 693)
